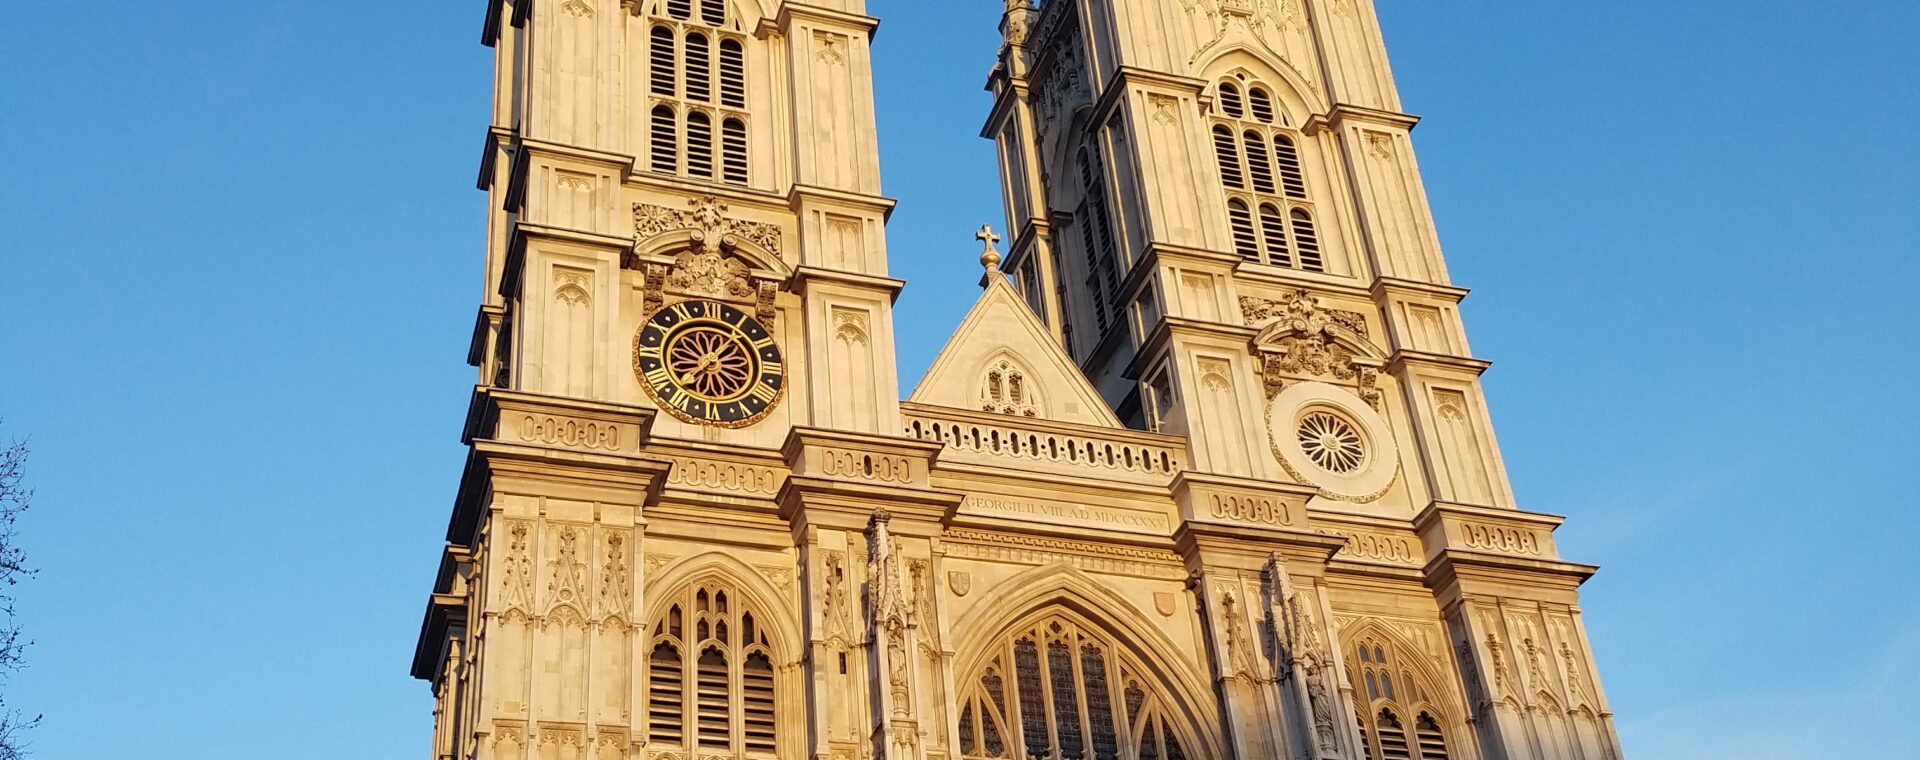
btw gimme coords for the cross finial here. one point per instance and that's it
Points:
(989, 256)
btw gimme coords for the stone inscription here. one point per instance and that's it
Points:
(1071, 512)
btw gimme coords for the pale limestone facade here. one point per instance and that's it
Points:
(1205, 474)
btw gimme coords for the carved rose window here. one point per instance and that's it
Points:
(1332, 442)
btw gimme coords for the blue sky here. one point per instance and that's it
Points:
(242, 254)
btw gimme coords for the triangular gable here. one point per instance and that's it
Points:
(1001, 327)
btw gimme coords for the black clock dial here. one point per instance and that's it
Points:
(709, 363)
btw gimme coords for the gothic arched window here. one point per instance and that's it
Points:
(1396, 711)
(1259, 158)
(1060, 689)
(710, 676)
(697, 79)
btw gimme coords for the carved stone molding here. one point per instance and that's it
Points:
(835, 611)
(557, 422)
(1221, 499)
(720, 475)
(570, 432)
(1486, 530)
(1034, 550)
(616, 592)
(879, 460)
(516, 585)
(1381, 547)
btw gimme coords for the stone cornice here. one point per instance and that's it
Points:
(566, 444)
(1224, 500)
(1342, 113)
(800, 194)
(1407, 356)
(790, 11)
(1126, 78)
(805, 276)
(1247, 547)
(682, 187)
(1171, 327)
(1385, 286)
(614, 479)
(1282, 278)
(1455, 574)
(490, 412)
(607, 159)
(1477, 550)
(490, 154)
(809, 502)
(483, 322)
(524, 231)
(1169, 253)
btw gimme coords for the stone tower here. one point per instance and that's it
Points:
(1218, 212)
(1205, 473)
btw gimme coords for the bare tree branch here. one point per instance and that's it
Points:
(15, 499)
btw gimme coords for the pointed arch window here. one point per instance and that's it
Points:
(1058, 688)
(721, 699)
(1260, 167)
(1397, 714)
(697, 81)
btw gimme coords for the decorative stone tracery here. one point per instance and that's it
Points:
(1005, 388)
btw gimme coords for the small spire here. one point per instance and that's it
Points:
(989, 256)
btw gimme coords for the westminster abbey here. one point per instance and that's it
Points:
(1205, 474)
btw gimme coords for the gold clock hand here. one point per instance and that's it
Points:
(705, 362)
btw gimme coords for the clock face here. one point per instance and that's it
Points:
(709, 364)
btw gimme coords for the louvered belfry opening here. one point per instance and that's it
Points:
(724, 701)
(1258, 154)
(697, 83)
(1432, 742)
(1073, 694)
(1389, 692)
(1393, 738)
(1095, 220)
